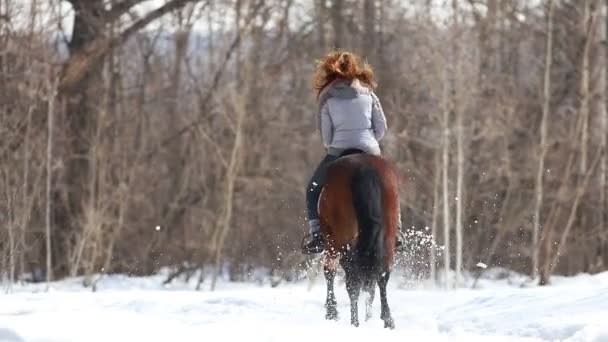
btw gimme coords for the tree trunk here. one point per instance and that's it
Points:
(51, 93)
(459, 198)
(455, 102)
(587, 33)
(538, 189)
(603, 59)
(173, 211)
(487, 44)
(369, 32)
(596, 261)
(337, 20)
(551, 262)
(445, 166)
(320, 10)
(28, 199)
(80, 103)
(436, 203)
(11, 239)
(230, 180)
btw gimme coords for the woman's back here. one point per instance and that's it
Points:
(351, 118)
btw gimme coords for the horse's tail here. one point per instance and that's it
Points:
(370, 250)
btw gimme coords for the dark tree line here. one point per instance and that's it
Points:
(136, 137)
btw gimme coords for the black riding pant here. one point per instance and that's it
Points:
(313, 190)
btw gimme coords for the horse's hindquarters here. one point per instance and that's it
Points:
(338, 219)
(359, 210)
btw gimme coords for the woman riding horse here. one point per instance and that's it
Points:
(350, 118)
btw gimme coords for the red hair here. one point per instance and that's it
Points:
(345, 65)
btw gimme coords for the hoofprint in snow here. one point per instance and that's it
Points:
(140, 309)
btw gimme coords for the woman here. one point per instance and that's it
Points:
(350, 117)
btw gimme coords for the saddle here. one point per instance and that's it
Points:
(350, 151)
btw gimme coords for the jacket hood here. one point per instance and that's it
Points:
(346, 89)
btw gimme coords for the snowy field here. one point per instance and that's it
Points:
(140, 309)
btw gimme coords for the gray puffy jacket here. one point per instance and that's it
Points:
(351, 117)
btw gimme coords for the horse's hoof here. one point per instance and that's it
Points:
(389, 323)
(331, 316)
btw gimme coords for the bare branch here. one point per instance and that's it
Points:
(80, 63)
(205, 100)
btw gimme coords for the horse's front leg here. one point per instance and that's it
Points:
(385, 314)
(329, 270)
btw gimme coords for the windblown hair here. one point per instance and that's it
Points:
(342, 64)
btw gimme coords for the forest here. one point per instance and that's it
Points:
(137, 135)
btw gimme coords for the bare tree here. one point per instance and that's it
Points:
(458, 111)
(337, 20)
(543, 145)
(603, 118)
(445, 187)
(51, 95)
(435, 218)
(232, 171)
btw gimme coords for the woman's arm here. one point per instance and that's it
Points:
(327, 126)
(378, 119)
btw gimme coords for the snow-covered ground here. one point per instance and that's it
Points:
(140, 309)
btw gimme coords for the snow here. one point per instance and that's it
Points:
(502, 307)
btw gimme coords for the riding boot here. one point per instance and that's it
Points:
(313, 243)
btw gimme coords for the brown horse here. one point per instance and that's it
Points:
(359, 210)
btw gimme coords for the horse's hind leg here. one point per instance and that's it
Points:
(353, 286)
(370, 288)
(329, 270)
(386, 311)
